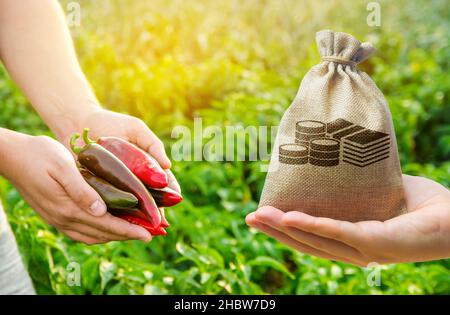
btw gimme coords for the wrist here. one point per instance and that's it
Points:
(72, 117)
(10, 143)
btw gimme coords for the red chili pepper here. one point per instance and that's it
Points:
(138, 218)
(137, 214)
(154, 231)
(165, 197)
(138, 161)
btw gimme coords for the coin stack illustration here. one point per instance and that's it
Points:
(293, 153)
(306, 130)
(324, 151)
(366, 147)
(341, 128)
(321, 144)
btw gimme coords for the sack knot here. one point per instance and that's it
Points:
(339, 60)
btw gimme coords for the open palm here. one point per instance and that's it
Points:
(423, 233)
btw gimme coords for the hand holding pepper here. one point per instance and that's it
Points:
(107, 166)
(46, 174)
(118, 170)
(102, 123)
(48, 179)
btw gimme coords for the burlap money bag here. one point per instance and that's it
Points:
(335, 153)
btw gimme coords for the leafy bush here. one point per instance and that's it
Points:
(235, 63)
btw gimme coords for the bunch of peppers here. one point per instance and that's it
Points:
(132, 184)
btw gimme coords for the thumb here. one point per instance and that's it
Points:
(144, 138)
(81, 193)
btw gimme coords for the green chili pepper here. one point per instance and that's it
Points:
(112, 196)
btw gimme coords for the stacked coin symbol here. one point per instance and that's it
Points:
(341, 128)
(337, 126)
(365, 148)
(320, 144)
(324, 151)
(293, 153)
(306, 130)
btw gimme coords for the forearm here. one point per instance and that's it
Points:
(37, 50)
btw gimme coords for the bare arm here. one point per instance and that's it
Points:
(37, 50)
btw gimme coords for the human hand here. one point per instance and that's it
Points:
(421, 234)
(45, 174)
(103, 122)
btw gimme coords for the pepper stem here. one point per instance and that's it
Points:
(86, 136)
(76, 149)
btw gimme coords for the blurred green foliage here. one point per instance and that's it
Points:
(235, 63)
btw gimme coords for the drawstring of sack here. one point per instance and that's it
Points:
(339, 60)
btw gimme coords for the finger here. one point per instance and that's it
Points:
(270, 216)
(343, 231)
(430, 192)
(148, 141)
(78, 237)
(274, 218)
(173, 183)
(83, 195)
(326, 245)
(285, 239)
(97, 234)
(250, 219)
(110, 224)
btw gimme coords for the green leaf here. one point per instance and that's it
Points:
(150, 289)
(119, 288)
(90, 274)
(264, 261)
(107, 270)
(209, 255)
(190, 254)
